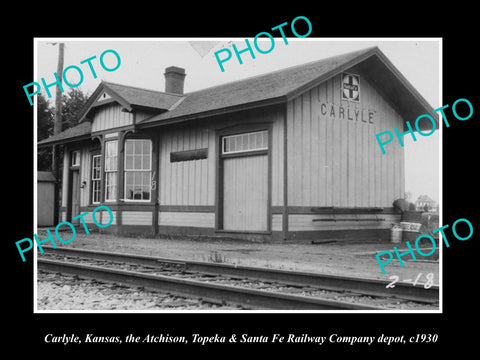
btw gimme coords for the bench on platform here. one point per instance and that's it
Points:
(341, 212)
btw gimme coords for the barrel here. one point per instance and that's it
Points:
(396, 234)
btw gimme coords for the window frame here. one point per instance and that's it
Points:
(98, 180)
(126, 171)
(110, 171)
(75, 155)
(265, 135)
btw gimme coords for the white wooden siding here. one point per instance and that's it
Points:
(101, 216)
(187, 219)
(333, 161)
(277, 221)
(66, 167)
(111, 116)
(187, 182)
(277, 152)
(193, 182)
(137, 218)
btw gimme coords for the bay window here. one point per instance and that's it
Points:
(138, 166)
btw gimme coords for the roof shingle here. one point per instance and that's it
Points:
(257, 88)
(83, 129)
(280, 85)
(144, 97)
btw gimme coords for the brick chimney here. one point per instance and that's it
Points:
(174, 79)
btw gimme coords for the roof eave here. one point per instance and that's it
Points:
(148, 108)
(422, 106)
(428, 109)
(404, 81)
(328, 75)
(45, 143)
(210, 113)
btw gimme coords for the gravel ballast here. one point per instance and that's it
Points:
(352, 258)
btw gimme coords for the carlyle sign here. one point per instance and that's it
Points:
(340, 112)
(350, 88)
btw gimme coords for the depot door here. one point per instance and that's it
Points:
(245, 182)
(74, 196)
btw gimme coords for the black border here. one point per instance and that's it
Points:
(455, 326)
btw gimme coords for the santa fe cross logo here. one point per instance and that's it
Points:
(350, 87)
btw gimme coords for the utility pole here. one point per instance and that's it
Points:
(57, 128)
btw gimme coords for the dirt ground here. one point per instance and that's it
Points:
(348, 258)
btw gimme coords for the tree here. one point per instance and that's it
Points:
(408, 195)
(72, 102)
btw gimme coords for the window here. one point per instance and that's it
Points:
(111, 148)
(138, 156)
(245, 142)
(96, 178)
(75, 161)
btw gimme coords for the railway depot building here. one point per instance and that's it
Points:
(286, 155)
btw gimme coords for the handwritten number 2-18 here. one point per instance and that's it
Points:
(426, 285)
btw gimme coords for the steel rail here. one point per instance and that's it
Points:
(372, 287)
(249, 298)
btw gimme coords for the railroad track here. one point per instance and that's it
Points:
(170, 275)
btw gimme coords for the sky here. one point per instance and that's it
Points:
(143, 62)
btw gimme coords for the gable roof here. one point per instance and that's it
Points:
(266, 89)
(269, 88)
(144, 98)
(282, 85)
(130, 97)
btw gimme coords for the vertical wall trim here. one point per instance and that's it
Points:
(120, 175)
(156, 178)
(102, 172)
(69, 193)
(218, 183)
(269, 178)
